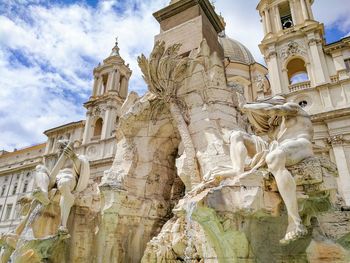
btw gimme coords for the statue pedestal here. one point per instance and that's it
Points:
(255, 193)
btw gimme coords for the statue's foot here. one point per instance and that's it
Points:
(41, 196)
(299, 232)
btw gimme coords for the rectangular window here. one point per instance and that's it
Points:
(8, 211)
(347, 63)
(14, 190)
(3, 190)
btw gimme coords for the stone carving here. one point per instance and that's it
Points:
(292, 48)
(337, 140)
(70, 174)
(290, 132)
(36, 237)
(163, 72)
(189, 183)
(260, 83)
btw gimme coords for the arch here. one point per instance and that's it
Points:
(98, 127)
(296, 70)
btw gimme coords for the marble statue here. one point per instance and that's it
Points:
(70, 175)
(289, 131)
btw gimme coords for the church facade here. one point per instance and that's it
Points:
(293, 47)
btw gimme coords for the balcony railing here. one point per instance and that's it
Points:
(299, 86)
(334, 79)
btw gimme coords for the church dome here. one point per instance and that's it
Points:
(235, 51)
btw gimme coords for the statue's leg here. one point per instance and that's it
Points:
(65, 186)
(238, 150)
(276, 161)
(42, 181)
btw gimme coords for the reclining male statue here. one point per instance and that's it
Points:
(289, 130)
(70, 175)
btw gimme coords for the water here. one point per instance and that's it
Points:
(27, 233)
(191, 206)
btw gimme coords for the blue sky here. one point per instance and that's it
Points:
(48, 50)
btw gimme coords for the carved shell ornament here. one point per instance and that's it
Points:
(291, 49)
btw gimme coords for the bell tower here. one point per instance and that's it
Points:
(292, 44)
(109, 92)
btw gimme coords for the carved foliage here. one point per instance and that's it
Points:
(292, 48)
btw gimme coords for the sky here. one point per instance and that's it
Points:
(48, 50)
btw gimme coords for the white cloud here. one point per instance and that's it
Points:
(48, 52)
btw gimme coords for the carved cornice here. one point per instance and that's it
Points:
(271, 54)
(314, 41)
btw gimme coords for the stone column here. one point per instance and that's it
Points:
(277, 19)
(87, 129)
(110, 80)
(317, 63)
(263, 20)
(268, 21)
(285, 79)
(309, 9)
(94, 89)
(310, 75)
(273, 66)
(108, 122)
(99, 86)
(292, 11)
(116, 85)
(304, 9)
(124, 88)
(343, 168)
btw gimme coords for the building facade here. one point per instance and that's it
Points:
(16, 182)
(300, 66)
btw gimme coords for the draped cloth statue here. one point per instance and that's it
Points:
(289, 131)
(70, 175)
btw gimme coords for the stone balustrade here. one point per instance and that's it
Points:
(334, 79)
(300, 86)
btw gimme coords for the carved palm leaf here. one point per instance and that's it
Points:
(163, 70)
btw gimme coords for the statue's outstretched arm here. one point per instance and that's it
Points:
(269, 109)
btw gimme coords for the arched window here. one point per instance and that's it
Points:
(98, 127)
(297, 71)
